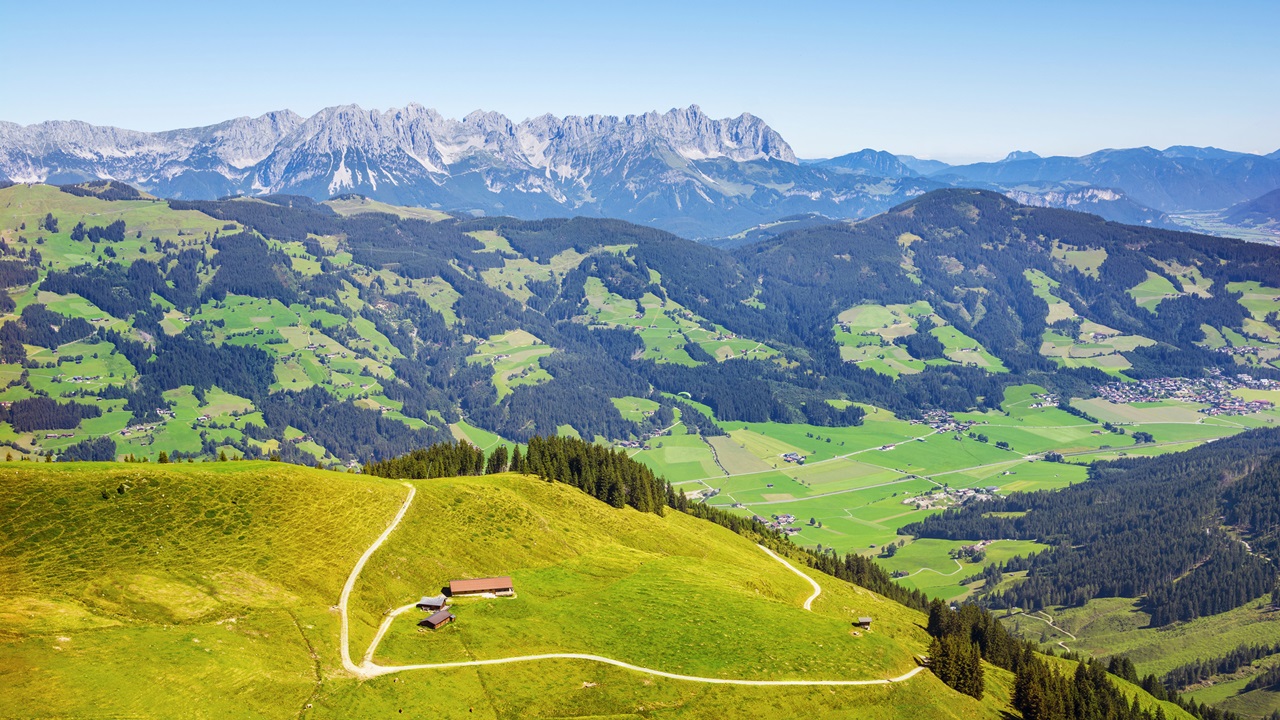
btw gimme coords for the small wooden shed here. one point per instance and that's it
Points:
(438, 618)
(435, 602)
(864, 623)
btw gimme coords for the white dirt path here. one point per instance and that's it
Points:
(817, 589)
(345, 634)
(369, 669)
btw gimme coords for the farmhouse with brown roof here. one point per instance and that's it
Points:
(494, 585)
(438, 618)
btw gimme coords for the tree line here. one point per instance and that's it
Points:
(1140, 528)
(1198, 671)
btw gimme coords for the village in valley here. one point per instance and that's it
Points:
(1214, 391)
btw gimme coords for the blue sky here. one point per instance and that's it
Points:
(953, 80)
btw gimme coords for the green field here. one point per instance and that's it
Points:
(863, 483)
(932, 569)
(635, 409)
(1154, 290)
(1257, 298)
(865, 334)
(1096, 346)
(1085, 260)
(514, 358)
(666, 327)
(208, 590)
(513, 277)
(1044, 288)
(354, 205)
(1107, 626)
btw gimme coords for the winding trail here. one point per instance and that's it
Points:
(378, 670)
(959, 568)
(1048, 620)
(369, 669)
(817, 589)
(344, 639)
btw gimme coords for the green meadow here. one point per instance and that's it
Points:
(208, 590)
(666, 327)
(514, 357)
(865, 334)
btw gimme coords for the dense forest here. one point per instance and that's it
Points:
(965, 252)
(1140, 528)
(800, 280)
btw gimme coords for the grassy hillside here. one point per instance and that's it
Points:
(207, 590)
(200, 590)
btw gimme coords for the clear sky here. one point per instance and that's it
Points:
(952, 80)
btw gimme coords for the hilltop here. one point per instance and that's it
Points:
(227, 574)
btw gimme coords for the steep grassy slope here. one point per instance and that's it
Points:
(200, 590)
(206, 590)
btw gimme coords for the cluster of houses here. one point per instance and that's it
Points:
(705, 493)
(967, 551)
(1239, 407)
(633, 444)
(58, 436)
(793, 457)
(1045, 400)
(137, 429)
(1214, 392)
(85, 378)
(948, 497)
(780, 523)
(438, 605)
(940, 420)
(313, 347)
(1241, 350)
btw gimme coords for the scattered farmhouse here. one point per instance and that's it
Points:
(482, 586)
(436, 602)
(438, 618)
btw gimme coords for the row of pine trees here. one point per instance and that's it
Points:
(605, 474)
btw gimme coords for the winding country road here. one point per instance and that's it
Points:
(369, 669)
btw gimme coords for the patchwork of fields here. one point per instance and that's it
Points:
(866, 335)
(667, 328)
(858, 485)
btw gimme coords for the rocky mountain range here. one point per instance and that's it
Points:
(681, 170)
(1177, 179)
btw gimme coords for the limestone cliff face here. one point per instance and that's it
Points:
(681, 170)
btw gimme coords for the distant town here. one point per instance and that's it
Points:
(1214, 391)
